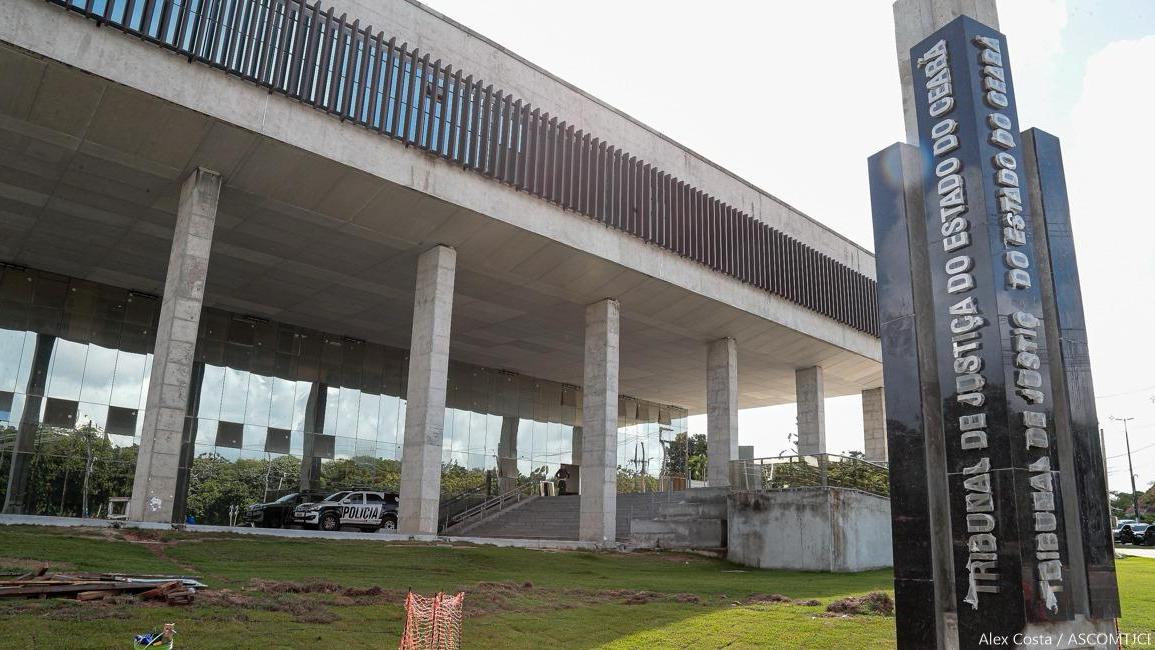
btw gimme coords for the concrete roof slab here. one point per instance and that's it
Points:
(318, 243)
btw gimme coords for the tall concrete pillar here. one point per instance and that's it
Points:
(599, 468)
(507, 454)
(811, 410)
(310, 474)
(576, 445)
(721, 410)
(159, 457)
(425, 408)
(914, 20)
(874, 424)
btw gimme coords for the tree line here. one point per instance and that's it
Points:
(74, 472)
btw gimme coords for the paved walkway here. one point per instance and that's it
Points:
(1138, 551)
(35, 520)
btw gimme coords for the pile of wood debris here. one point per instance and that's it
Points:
(174, 590)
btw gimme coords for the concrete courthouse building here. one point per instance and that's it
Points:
(354, 229)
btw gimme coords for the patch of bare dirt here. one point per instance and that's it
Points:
(353, 595)
(761, 599)
(70, 610)
(156, 541)
(875, 603)
(304, 607)
(641, 598)
(285, 587)
(766, 598)
(502, 587)
(319, 601)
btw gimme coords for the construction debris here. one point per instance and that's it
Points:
(174, 590)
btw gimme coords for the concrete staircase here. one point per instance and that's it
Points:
(534, 518)
(557, 517)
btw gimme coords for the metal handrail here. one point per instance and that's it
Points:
(495, 504)
(445, 509)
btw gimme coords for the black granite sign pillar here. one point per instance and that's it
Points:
(920, 515)
(990, 417)
(1076, 422)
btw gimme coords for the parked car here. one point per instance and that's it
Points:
(368, 510)
(1138, 533)
(1117, 532)
(279, 513)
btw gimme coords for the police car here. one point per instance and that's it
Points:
(365, 509)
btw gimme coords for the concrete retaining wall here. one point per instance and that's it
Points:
(687, 519)
(812, 529)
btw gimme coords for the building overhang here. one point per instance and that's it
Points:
(321, 223)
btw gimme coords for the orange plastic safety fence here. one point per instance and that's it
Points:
(432, 623)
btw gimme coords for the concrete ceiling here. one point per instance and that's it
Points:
(89, 177)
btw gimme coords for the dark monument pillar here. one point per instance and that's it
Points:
(923, 581)
(998, 499)
(1076, 422)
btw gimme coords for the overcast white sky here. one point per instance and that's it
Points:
(810, 90)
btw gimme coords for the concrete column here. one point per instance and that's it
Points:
(599, 467)
(721, 410)
(914, 20)
(310, 474)
(576, 446)
(158, 460)
(425, 408)
(507, 454)
(811, 410)
(874, 424)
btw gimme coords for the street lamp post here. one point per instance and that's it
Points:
(1127, 439)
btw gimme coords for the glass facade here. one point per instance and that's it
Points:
(272, 407)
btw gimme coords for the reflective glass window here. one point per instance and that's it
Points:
(278, 441)
(234, 395)
(67, 369)
(12, 344)
(60, 413)
(99, 369)
(128, 379)
(230, 434)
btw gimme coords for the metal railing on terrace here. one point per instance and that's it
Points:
(303, 51)
(818, 470)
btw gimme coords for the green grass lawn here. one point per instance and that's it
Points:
(1137, 592)
(516, 598)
